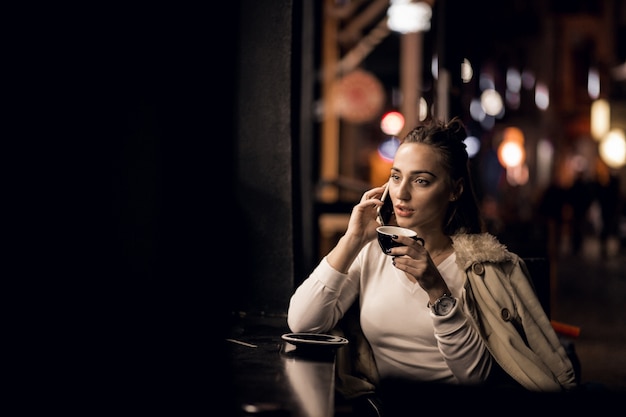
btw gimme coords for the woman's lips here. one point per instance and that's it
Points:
(403, 211)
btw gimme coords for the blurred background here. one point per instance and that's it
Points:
(539, 85)
(541, 88)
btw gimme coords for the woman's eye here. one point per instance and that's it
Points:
(421, 181)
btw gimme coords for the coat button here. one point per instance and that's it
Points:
(478, 268)
(505, 314)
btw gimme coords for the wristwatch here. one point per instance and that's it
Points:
(443, 305)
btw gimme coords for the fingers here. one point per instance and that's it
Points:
(410, 241)
(376, 193)
(415, 267)
(369, 203)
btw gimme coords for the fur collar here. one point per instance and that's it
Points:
(483, 247)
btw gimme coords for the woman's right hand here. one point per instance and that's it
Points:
(363, 220)
(361, 230)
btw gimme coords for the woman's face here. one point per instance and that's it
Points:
(419, 187)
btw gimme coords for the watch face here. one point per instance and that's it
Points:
(444, 305)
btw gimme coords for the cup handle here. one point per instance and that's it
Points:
(418, 240)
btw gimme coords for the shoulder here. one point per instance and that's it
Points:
(480, 247)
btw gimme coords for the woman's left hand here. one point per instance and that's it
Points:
(417, 264)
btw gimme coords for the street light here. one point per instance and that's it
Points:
(405, 16)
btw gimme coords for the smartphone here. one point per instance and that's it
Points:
(386, 210)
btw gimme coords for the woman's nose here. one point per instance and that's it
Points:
(403, 192)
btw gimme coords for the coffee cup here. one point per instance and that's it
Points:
(386, 233)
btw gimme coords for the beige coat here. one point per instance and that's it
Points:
(505, 309)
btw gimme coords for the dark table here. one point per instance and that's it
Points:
(271, 377)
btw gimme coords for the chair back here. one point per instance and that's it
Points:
(539, 269)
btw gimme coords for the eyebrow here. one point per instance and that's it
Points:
(416, 172)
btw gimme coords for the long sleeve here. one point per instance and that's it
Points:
(322, 299)
(461, 346)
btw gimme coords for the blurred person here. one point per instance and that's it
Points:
(550, 211)
(458, 311)
(608, 195)
(579, 196)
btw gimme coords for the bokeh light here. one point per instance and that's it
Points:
(491, 102)
(511, 152)
(467, 72)
(542, 96)
(473, 145)
(476, 110)
(423, 109)
(593, 83)
(613, 148)
(387, 149)
(404, 16)
(392, 123)
(600, 118)
(434, 67)
(513, 80)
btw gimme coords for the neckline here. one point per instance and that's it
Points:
(442, 256)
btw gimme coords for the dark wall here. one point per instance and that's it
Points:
(265, 175)
(273, 152)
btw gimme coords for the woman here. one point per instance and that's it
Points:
(458, 310)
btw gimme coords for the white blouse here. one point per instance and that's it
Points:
(408, 341)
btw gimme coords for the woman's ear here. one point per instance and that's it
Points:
(457, 191)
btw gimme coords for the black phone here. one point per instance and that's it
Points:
(386, 210)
